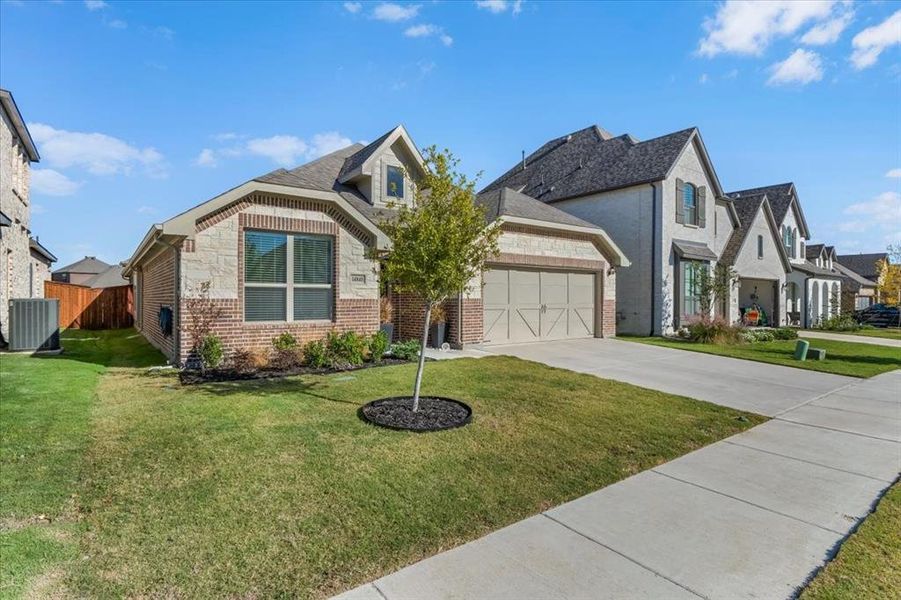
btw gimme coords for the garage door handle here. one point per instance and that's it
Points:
(543, 308)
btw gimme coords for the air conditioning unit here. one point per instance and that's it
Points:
(34, 324)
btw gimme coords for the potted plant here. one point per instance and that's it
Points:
(386, 317)
(437, 326)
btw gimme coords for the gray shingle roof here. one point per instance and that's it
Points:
(589, 161)
(359, 157)
(510, 203)
(779, 196)
(813, 250)
(809, 267)
(851, 280)
(112, 277)
(746, 207)
(40, 249)
(863, 264)
(88, 264)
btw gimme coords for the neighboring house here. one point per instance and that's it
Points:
(295, 250)
(659, 199)
(823, 284)
(757, 254)
(810, 284)
(24, 262)
(861, 278)
(81, 271)
(110, 278)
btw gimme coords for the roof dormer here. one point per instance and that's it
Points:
(384, 170)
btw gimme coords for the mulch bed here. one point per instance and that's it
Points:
(434, 414)
(193, 377)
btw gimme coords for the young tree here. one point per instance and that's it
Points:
(439, 243)
(712, 285)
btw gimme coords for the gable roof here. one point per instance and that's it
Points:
(851, 280)
(747, 208)
(781, 197)
(39, 248)
(112, 277)
(509, 206)
(88, 264)
(813, 251)
(359, 163)
(863, 264)
(590, 160)
(15, 117)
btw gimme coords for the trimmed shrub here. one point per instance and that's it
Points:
(244, 361)
(315, 355)
(408, 350)
(285, 341)
(764, 335)
(712, 331)
(839, 323)
(210, 351)
(378, 345)
(785, 333)
(345, 349)
(284, 359)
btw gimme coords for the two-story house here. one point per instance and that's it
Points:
(24, 261)
(659, 199)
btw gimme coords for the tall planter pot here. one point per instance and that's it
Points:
(436, 334)
(388, 329)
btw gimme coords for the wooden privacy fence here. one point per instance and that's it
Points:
(87, 308)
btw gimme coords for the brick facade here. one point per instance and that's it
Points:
(157, 289)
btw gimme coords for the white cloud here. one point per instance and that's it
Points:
(703, 78)
(748, 26)
(884, 209)
(389, 11)
(52, 183)
(95, 4)
(428, 30)
(894, 173)
(802, 67)
(163, 32)
(869, 43)
(206, 158)
(499, 6)
(324, 143)
(38, 209)
(98, 153)
(731, 74)
(829, 31)
(225, 136)
(117, 24)
(353, 7)
(284, 150)
(852, 226)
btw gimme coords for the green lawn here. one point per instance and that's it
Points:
(842, 358)
(868, 565)
(888, 333)
(276, 488)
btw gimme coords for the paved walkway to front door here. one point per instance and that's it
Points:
(752, 516)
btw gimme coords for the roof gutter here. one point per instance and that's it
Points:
(146, 244)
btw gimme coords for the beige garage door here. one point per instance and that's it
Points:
(527, 306)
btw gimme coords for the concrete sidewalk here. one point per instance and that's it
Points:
(752, 516)
(846, 337)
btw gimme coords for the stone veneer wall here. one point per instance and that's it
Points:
(216, 254)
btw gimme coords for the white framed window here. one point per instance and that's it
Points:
(394, 182)
(288, 277)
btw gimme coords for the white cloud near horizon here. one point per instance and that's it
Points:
(801, 67)
(829, 31)
(748, 26)
(882, 212)
(95, 4)
(98, 153)
(391, 12)
(206, 158)
(872, 41)
(500, 6)
(353, 7)
(894, 173)
(52, 183)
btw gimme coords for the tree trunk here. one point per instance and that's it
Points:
(425, 339)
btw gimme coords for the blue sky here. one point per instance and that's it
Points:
(142, 110)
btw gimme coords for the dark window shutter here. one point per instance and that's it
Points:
(680, 202)
(702, 206)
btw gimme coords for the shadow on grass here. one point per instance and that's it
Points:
(108, 348)
(287, 385)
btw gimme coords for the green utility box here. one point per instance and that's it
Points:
(816, 354)
(801, 349)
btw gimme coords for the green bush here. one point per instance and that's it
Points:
(284, 359)
(378, 345)
(712, 331)
(210, 351)
(315, 355)
(408, 350)
(785, 333)
(764, 335)
(839, 323)
(285, 341)
(345, 349)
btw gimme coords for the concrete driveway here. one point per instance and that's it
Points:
(752, 516)
(743, 384)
